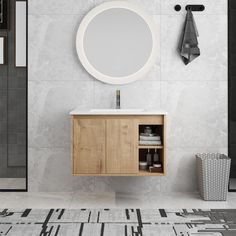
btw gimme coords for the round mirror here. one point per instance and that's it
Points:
(116, 42)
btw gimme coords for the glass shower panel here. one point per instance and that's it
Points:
(13, 102)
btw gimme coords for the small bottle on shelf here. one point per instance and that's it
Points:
(148, 131)
(156, 159)
(149, 158)
(157, 166)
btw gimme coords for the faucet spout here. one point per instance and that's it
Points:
(117, 99)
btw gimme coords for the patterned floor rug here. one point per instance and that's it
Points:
(117, 222)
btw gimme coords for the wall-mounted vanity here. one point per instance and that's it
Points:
(117, 43)
(106, 142)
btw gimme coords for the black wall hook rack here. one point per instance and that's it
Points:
(195, 7)
(191, 7)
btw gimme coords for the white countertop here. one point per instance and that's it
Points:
(117, 112)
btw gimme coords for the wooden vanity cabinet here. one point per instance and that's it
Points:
(108, 145)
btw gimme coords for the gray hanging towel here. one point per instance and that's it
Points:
(188, 44)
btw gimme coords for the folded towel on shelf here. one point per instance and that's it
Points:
(148, 135)
(149, 138)
(142, 142)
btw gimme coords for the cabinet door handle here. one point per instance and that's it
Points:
(100, 166)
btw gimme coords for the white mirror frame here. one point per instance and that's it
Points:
(83, 58)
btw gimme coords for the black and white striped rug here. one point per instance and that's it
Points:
(117, 222)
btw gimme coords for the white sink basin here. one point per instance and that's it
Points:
(116, 110)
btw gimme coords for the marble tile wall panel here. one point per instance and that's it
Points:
(52, 51)
(132, 95)
(212, 63)
(152, 7)
(195, 96)
(50, 170)
(68, 7)
(49, 105)
(181, 168)
(197, 113)
(212, 7)
(135, 185)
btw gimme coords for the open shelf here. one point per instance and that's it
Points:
(142, 152)
(157, 129)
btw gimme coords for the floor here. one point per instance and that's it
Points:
(119, 222)
(110, 200)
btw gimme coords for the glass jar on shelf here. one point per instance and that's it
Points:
(148, 130)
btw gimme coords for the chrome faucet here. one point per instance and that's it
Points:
(117, 99)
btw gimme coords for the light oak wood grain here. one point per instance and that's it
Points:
(121, 146)
(139, 173)
(143, 120)
(164, 144)
(89, 146)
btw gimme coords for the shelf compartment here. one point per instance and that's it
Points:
(156, 129)
(142, 152)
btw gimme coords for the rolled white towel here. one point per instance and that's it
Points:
(148, 135)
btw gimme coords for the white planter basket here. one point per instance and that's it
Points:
(213, 171)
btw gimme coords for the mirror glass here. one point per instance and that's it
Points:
(116, 42)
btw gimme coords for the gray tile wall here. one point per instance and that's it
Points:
(195, 96)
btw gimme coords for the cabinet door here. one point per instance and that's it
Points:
(121, 146)
(89, 146)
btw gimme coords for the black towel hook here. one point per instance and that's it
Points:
(177, 7)
(188, 7)
(191, 7)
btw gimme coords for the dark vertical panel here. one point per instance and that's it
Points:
(232, 83)
(13, 108)
(3, 116)
(16, 105)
